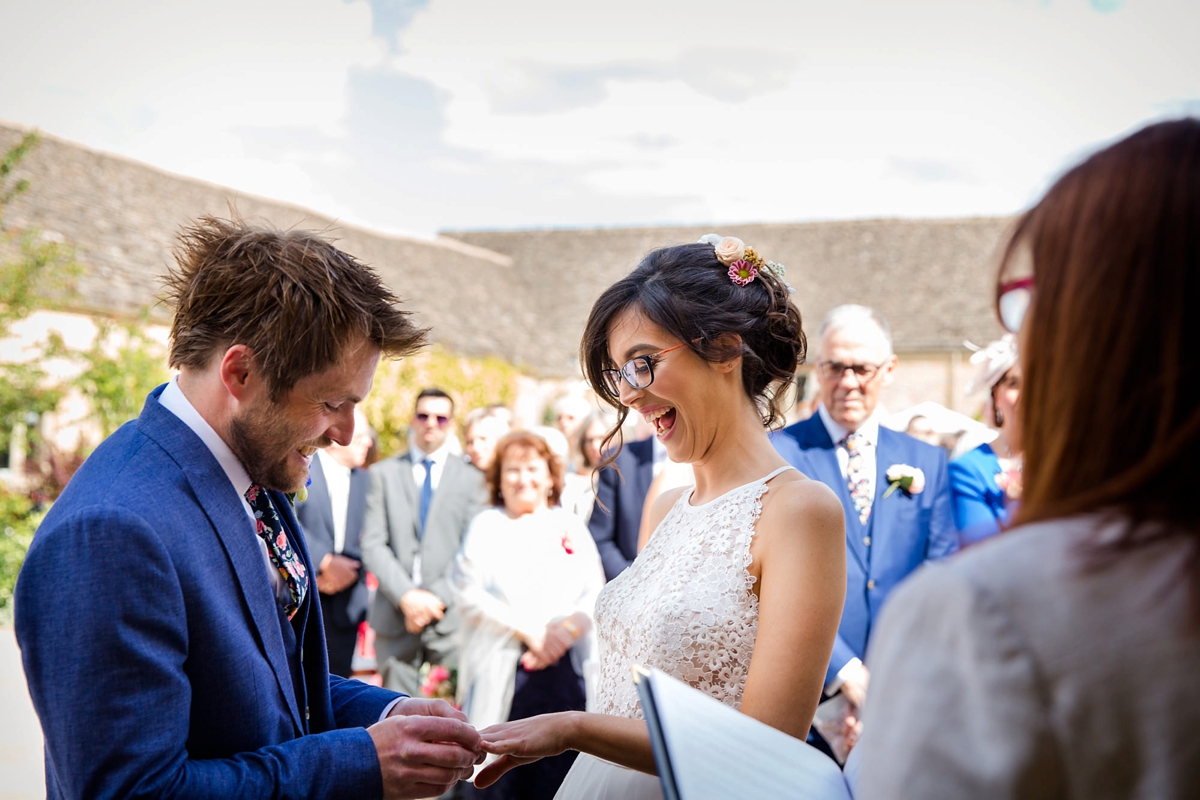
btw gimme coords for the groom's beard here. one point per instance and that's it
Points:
(264, 442)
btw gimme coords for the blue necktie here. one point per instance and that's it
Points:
(426, 494)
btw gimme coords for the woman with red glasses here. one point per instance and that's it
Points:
(1064, 653)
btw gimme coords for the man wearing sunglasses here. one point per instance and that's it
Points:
(889, 532)
(418, 509)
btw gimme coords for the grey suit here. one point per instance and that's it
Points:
(390, 545)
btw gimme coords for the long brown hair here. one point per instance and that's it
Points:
(1110, 398)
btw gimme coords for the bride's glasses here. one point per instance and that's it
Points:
(638, 372)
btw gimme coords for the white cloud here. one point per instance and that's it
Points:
(413, 115)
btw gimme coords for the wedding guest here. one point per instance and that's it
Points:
(569, 413)
(921, 429)
(166, 604)
(579, 492)
(986, 482)
(418, 509)
(526, 580)
(331, 517)
(1059, 659)
(482, 428)
(894, 489)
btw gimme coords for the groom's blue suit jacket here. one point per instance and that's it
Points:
(153, 647)
(901, 533)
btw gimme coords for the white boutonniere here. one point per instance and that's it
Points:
(909, 480)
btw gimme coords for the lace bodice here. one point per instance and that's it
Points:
(686, 605)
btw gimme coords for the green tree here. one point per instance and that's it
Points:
(33, 271)
(121, 367)
(472, 382)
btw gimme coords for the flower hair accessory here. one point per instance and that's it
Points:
(744, 262)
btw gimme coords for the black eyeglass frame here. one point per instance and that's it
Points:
(612, 377)
(865, 373)
(441, 421)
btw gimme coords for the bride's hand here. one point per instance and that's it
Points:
(521, 742)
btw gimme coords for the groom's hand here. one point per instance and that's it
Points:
(424, 748)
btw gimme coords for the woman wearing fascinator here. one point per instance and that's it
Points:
(986, 482)
(739, 590)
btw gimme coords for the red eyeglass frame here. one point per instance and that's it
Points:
(1007, 288)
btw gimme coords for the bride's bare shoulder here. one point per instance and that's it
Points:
(799, 504)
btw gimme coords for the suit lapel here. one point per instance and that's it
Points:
(408, 488)
(885, 457)
(445, 488)
(822, 459)
(318, 494)
(360, 482)
(217, 498)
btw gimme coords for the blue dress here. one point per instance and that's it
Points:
(980, 505)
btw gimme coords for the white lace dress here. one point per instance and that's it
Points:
(685, 606)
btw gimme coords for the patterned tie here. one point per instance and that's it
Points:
(270, 529)
(856, 476)
(426, 494)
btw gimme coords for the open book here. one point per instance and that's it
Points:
(707, 751)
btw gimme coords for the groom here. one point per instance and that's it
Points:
(889, 532)
(167, 613)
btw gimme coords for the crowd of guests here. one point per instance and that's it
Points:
(1053, 655)
(490, 549)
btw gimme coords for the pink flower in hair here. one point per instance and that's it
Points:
(742, 272)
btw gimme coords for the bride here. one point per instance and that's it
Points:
(740, 588)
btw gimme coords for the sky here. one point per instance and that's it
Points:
(414, 116)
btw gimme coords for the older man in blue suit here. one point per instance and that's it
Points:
(892, 525)
(166, 612)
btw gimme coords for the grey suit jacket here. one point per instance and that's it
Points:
(1021, 669)
(389, 537)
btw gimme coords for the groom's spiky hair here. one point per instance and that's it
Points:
(296, 301)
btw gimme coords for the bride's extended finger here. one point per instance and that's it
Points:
(492, 772)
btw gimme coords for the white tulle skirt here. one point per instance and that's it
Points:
(592, 778)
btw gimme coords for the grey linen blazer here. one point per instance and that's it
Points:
(1022, 668)
(389, 538)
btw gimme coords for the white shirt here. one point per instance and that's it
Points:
(418, 456)
(337, 478)
(174, 400)
(869, 431)
(438, 456)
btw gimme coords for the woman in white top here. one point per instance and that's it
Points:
(740, 589)
(525, 579)
(1062, 657)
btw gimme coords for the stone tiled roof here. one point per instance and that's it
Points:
(933, 280)
(122, 217)
(522, 295)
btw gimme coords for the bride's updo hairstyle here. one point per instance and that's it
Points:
(700, 299)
